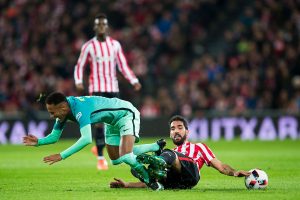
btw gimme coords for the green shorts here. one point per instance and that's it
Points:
(128, 125)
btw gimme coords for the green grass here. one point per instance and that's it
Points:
(23, 175)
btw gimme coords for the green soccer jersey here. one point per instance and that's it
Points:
(87, 110)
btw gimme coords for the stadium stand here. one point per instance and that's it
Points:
(189, 55)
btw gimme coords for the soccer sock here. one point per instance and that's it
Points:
(169, 156)
(144, 148)
(129, 159)
(100, 143)
(101, 157)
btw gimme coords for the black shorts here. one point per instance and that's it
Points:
(107, 94)
(187, 178)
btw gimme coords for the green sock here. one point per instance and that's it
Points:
(144, 148)
(130, 159)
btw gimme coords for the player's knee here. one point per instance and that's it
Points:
(169, 156)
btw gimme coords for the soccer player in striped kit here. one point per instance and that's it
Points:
(184, 162)
(103, 54)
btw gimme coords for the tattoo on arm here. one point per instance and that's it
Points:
(227, 170)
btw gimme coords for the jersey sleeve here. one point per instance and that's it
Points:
(81, 62)
(54, 135)
(85, 139)
(205, 153)
(123, 66)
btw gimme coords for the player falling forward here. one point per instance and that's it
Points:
(122, 125)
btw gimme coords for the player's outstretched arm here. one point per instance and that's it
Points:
(30, 140)
(119, 183)
(227, 169)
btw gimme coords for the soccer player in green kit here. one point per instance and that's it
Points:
(122, 125)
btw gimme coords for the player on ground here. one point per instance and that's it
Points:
(103, 54)
(184, 162)
(122, 125)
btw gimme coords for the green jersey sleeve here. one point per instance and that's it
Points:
(54, 135)
(85, 139)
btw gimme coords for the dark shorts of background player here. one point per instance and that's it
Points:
(107, 94)
(187, 178)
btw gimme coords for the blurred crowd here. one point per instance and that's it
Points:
(190, 55)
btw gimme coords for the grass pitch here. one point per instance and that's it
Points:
(23, 175)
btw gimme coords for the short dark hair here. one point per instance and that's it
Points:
(56, 98)
(101, 16)
(179, 118)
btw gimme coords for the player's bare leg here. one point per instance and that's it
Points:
(126, 144)
(113, 151)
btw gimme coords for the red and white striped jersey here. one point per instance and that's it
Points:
(103, 58)
(198, 152)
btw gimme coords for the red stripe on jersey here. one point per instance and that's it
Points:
(113, 69)
(208, 150)
(186, 159)
(91, 78)
(195, 154)
(97, 69)
(109, 66)
(103, 66)
(202, 153)
(120, 61)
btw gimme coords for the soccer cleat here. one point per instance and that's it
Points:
(141, 173)
(155, 161)
(161, 143)
(102, 165)
(157, 173)
(94, 150)
(155, 186)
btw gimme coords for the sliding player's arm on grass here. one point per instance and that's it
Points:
(227, 169)
(119, 183)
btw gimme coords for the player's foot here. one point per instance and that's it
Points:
(155, 186)
(102, 165)
(157, 173)
(94, 150)
(161, 143)
(156, 161)
(141, 173)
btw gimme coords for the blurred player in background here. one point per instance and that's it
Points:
(102, 53)
(122, 125)
(183, 163)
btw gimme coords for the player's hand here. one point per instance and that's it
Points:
(30, 140)
(137, 86)
(241, 173)
(52, 159)
(80, 87)
(118, 183)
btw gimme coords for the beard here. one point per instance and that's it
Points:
(179, 142)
